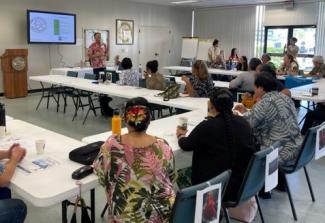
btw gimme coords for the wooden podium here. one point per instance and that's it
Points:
(14, 69)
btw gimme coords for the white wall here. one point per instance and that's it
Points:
(233, 27)
(100, 14)
(301, 14)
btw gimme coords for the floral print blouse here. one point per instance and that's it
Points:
(203, 88)
(130, 77)
(98, 62)
(138, 181)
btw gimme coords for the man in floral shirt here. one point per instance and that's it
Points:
(97, 54)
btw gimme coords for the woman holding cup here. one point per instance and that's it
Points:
(223, 141)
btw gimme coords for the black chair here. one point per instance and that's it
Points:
(252, 183)
(306, 155)
(92, 107)
(184, 207)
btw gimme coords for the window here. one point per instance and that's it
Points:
(276, 37)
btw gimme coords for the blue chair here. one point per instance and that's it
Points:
(184, 207)
(306, 155)
(252, 183)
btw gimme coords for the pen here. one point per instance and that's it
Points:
(24, 169)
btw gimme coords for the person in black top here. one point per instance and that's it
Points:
(223, 141)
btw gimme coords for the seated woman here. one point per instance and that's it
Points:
(137, 170)
(234, 55)
(154, 80)
(319, 67)
(266, 59)
(129, 76)
(274, 119)
(11, 210)
(223, 141)
(200, 83)
(266, 68)
(242, 64)
(245, 82)
(289, 66)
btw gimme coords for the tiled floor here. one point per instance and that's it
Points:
(276, 210)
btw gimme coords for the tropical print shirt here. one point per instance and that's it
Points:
(203, 88)
(138, 181)
(98, 62)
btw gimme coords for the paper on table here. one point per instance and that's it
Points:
(208, 204)
(271, 170)
(320, 143)
(32, 166)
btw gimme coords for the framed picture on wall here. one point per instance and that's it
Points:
(89, 39)
(124, 32)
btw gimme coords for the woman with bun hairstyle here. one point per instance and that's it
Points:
(137, 170)
(222, 142)
(154, 80)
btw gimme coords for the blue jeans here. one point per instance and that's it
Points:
(12, 211)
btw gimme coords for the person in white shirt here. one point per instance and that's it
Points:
(292, 48)
(214, 52)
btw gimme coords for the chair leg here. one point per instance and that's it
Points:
(104, 210)
(290, 199)
(58, 103)
(259, 208)
(76, 104)
(225, 212)
(309, 185)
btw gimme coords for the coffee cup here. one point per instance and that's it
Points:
(183, 123)
(40, 146)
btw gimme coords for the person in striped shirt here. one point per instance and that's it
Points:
(274, 119)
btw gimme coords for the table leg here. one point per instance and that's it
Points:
(43, 96)
(64, 211)
(92, 205)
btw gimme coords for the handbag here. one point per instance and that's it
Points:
(245, 212)
(86, 154)
(171, 92)
(84, 212)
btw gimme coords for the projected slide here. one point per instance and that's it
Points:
(51, 28)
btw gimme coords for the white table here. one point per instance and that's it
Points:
(301, 93)
(211, 70)
(54, 185)
(216, 83)
(81, 70)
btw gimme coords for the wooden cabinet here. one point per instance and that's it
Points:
(14, 68)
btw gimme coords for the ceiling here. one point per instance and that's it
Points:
(213, 3)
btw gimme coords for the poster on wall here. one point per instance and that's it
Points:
(124, 32)
(89, 39)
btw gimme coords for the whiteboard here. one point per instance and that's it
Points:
(189, 47)
(203, 48)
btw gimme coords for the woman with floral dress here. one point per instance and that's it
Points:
(137, 170)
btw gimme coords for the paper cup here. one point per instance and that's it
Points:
(2, 131)
(40, 146)
(183, 122)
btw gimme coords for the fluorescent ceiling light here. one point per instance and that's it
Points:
(184, 2)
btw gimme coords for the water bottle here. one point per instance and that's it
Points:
(116, 123)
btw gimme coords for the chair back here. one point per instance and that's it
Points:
(89, 76)
(115, 77)
(72, 73)
(254, 177)
(184, 207)
(307, 151)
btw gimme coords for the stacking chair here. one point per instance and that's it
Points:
(89, 96)
(184, 207)
(306, 155)
(252, 183)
